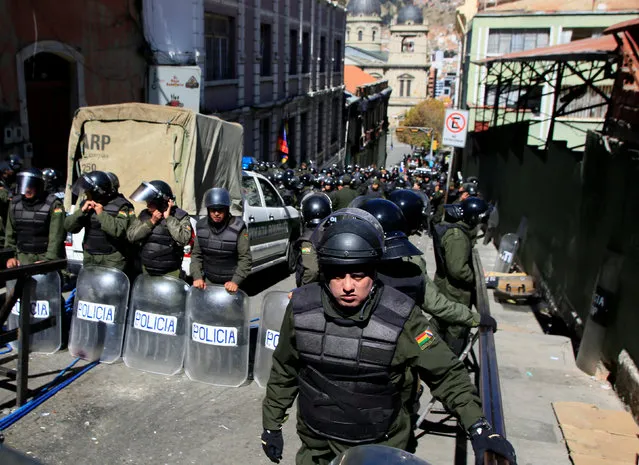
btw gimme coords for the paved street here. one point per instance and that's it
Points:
(114, 414)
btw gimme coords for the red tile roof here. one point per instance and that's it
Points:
(355, 77)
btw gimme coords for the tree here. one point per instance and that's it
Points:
(428, 113)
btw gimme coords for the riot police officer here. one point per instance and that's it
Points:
(345, 195)
(105, 217)
(14, 165)
(53, 182)
(221, 252)
(35, 227)
(404, 269)
(5, 199)
(350, 347)
(162, 229)
(453, 244)
(315, 207)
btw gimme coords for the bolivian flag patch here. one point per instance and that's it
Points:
(425, 339)
(306, 250)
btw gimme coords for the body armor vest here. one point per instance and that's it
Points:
(345, 387)
(160, 253)
(32, 223)
(219, 249)
(405, 277)
(96, 241)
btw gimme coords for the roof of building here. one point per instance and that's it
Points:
(364, 8)
(365, 57)
(585, 49)
(540, 6)
(630, 24)
(355, 77)
(410, 14)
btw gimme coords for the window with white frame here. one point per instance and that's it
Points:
(219, 37)
(502, 41)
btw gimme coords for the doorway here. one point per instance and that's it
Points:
(48, 79)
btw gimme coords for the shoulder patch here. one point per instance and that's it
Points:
(131, 212)
(425, 339)
(122, 213)
(306, 250)
(58, 210)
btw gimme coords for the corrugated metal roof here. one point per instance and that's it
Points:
(585, 49)
(622, 26)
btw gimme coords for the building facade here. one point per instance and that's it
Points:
(275, 66)
(57, 57)
(406, 63)
(522, 25)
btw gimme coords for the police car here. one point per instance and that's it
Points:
(272, 226)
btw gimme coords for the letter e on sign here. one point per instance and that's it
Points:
(455, 128)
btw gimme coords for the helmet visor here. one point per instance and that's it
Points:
(85, 184)
(146, 193)
(398, 245)
(27, 183)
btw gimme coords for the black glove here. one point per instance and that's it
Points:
(484, 439)
(273, 444)
(488, 321)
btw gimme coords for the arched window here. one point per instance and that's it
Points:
(374, 34)
(360, 35)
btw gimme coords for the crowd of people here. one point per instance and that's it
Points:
(365, 323)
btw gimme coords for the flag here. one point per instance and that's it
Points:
(282, 142)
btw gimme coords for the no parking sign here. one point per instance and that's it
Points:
(455, 128)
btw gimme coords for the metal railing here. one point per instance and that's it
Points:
(489, 386)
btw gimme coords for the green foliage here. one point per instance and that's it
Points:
(426, 114)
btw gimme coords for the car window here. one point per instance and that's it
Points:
(250, 192)
(270, 195)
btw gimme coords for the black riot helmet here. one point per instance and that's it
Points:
(394, 224)
(217, 198)
(330, 182)
(349, 236)
(30, 182)
(307, 179)
(52, 180)
(411, 205)
(15, 162)
(473, 210)
(315, 207)
(292, 182)
(156, 192)
(95, 184)
(472, 180)
(115, 182)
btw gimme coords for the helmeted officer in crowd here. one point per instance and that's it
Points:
(162, 229)
(221, 251)
(399, 269)
(53, 182)
(5, 199)
(345, 195)
(315, 207)
(14, 165)
(105, 217)
(437, 202)
(453, 244)
(35, 227)
(467, 190)
(349, 346)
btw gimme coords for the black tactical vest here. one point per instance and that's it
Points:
(32, 223)
(406, 277)
(345, 387)
(96, 241)
(302, 241)
(160, 253)
(440, 254)
(219, 248)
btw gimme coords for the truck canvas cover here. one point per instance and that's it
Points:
(142, 142)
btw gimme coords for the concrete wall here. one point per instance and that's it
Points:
(577, 207)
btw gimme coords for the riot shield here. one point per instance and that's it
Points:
(273, 308)
(375, 454)
(99, 314)
(217, 348)
(46, 301)
(155, 339)
(507, 250)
